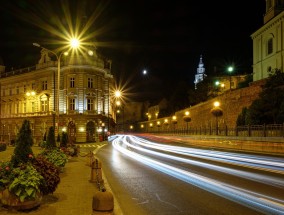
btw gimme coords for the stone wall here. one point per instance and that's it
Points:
(231, 102)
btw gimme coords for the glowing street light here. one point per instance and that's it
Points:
(117, 94)
(74, 43)
(216, 111)
(230, 70)
(187, 119)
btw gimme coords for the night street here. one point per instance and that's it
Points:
(163, 178)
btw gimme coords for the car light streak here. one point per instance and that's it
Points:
(264, 163)
(252, 176)
(265, 204)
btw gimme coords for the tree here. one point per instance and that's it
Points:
(24, 141)
(269, 107)
(50, 142)
(242, 118)
(58, 138)
(64, 139)
(245, 83)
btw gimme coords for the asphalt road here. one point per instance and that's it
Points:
(171, 181)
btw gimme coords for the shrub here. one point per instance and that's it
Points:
(24, 142)
(50, 142)
(55, 156)
(3, 146)
(49, 172)
(64, 140)
(26, 182)
(6, 174)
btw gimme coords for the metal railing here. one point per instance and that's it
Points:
(270, 130)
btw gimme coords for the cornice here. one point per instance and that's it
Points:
(279, 18)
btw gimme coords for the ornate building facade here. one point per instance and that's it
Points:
(81, 104)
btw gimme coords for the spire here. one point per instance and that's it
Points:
(200, 62)
(200, 72)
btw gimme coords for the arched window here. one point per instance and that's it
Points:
(44, 103)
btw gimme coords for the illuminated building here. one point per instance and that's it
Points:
(85, 106)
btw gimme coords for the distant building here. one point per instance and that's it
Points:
(200, 72)
(268, 44)
(224, 83)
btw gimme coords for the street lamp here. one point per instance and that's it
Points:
(174, 121)
(216, 111)
(230, 70)
(74, 43)
(118, 95)
(187, 119)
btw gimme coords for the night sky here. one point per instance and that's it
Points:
(164, 37)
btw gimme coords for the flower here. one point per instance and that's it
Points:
(30, 156)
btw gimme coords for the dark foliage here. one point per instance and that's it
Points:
(243, 117)
(49, 172)
(50, 142)
(44, 137)
(64, 140)
(58, 138)
(269, 107)
(24, 142)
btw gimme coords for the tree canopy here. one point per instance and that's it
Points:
(269, 107)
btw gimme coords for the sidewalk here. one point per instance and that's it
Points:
(74, 194)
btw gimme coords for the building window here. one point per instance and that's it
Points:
(17, 108)
(44, 85)
(24, 107)
(10, 108)
(17, 90)
(44, 106)
(90, 83)
(270, 46)
(4, 92)
(71, 104)
(25, 88)
(33, 107)
(72, 82)
(11, 91)
(90, 104)
(33, 86)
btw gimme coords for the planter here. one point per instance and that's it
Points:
(10, 200)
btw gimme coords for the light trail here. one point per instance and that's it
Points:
(252, 176)
(128, 145)
(264, 163)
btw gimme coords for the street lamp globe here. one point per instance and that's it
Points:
(74, 43)
(117, 94)
(187, 117)
(230, 69)
(217, 112)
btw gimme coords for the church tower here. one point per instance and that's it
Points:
(273, 8)
(268, 44)
(200, 72)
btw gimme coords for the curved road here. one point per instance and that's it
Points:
(168, 178)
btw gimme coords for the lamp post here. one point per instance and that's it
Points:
(74, 43)
(230, 70)
(187, 119)
(216, 111)
(118, 95)
(174, 121)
